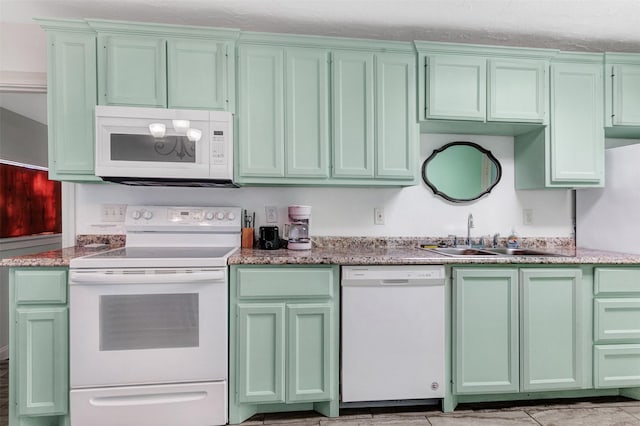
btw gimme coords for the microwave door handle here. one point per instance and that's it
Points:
(181, 277)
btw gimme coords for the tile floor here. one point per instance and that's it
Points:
(584, 412)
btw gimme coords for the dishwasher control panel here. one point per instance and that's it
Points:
(393, 272)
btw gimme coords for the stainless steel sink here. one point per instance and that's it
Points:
(461, 251)
(520, 252)
(489, 252)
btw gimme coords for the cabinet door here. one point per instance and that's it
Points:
(42, 357)
(486, 330)
(261, 109)
(516, 91)
(261, 352)
(616, 366)
(132, 70)
(196, 73)
(456, 87)
(307, 112)
(309, 339)
(626, 95)
(552, 344)
(395, 115)
(577, 132)
(353, 126)
(71, 101)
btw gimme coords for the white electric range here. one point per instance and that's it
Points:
(148, 322)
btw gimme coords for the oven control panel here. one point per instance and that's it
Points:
(179, 216)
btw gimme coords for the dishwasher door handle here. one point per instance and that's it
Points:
(394, 282)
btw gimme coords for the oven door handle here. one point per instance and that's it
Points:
(178, 277)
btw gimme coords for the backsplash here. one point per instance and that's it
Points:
(348, 212)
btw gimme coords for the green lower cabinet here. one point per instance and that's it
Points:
(283, 340)
(485, 330)
(616, 366)
(519, 330)
(42, 357)
(309, 356)
(616, 328)
(261, 352)
(39, 377)
(552, 339)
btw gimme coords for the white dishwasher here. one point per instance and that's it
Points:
(392, 332)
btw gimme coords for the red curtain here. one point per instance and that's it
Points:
(30, 203)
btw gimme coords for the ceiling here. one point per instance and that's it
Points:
(578, 25)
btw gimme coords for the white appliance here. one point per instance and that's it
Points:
(607, 218)
(148, 322)
(392, 333)
(168, 147)
(298, 233)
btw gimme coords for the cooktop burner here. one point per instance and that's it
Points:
(165, 253)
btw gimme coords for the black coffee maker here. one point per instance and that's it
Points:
(269, 238)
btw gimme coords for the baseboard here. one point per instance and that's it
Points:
(4, 353)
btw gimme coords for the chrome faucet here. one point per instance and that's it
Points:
(469, 226)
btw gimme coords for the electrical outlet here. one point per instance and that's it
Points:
(113, 212)
(378, 216)
(271, 214)
(527, 216)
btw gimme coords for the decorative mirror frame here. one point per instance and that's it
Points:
(486, 152)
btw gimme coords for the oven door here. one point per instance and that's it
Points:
(146, 326)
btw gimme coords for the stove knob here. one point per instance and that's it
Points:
(147, 215)
(220, 215)
(209, 216)
(231, 216)
(136, 214)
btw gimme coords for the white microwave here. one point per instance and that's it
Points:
(164, 147)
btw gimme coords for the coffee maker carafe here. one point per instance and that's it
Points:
(299, 228)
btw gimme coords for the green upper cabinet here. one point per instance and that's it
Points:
(261, 111)
(569, 153)
(307, 112)
(132, 70)
(517, 90)
(577, 133)
(353, 114)
(165, 65)
(622, 95)
(197, 73)
(283, 112)
(395, 116)
(472, 83)
(323, 111)
(71, 97)
(456, 87)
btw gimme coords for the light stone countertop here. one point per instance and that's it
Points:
(352, 256)
(416, 256)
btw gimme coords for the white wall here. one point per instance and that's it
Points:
(607, 218)
(411, 211)
(24, 56)
(21, 139)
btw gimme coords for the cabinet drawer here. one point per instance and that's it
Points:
(285, 282)
(40, 286)
(617, 320)
(616, 366)
(617, 280)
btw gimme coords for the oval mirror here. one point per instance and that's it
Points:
(461, 171)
